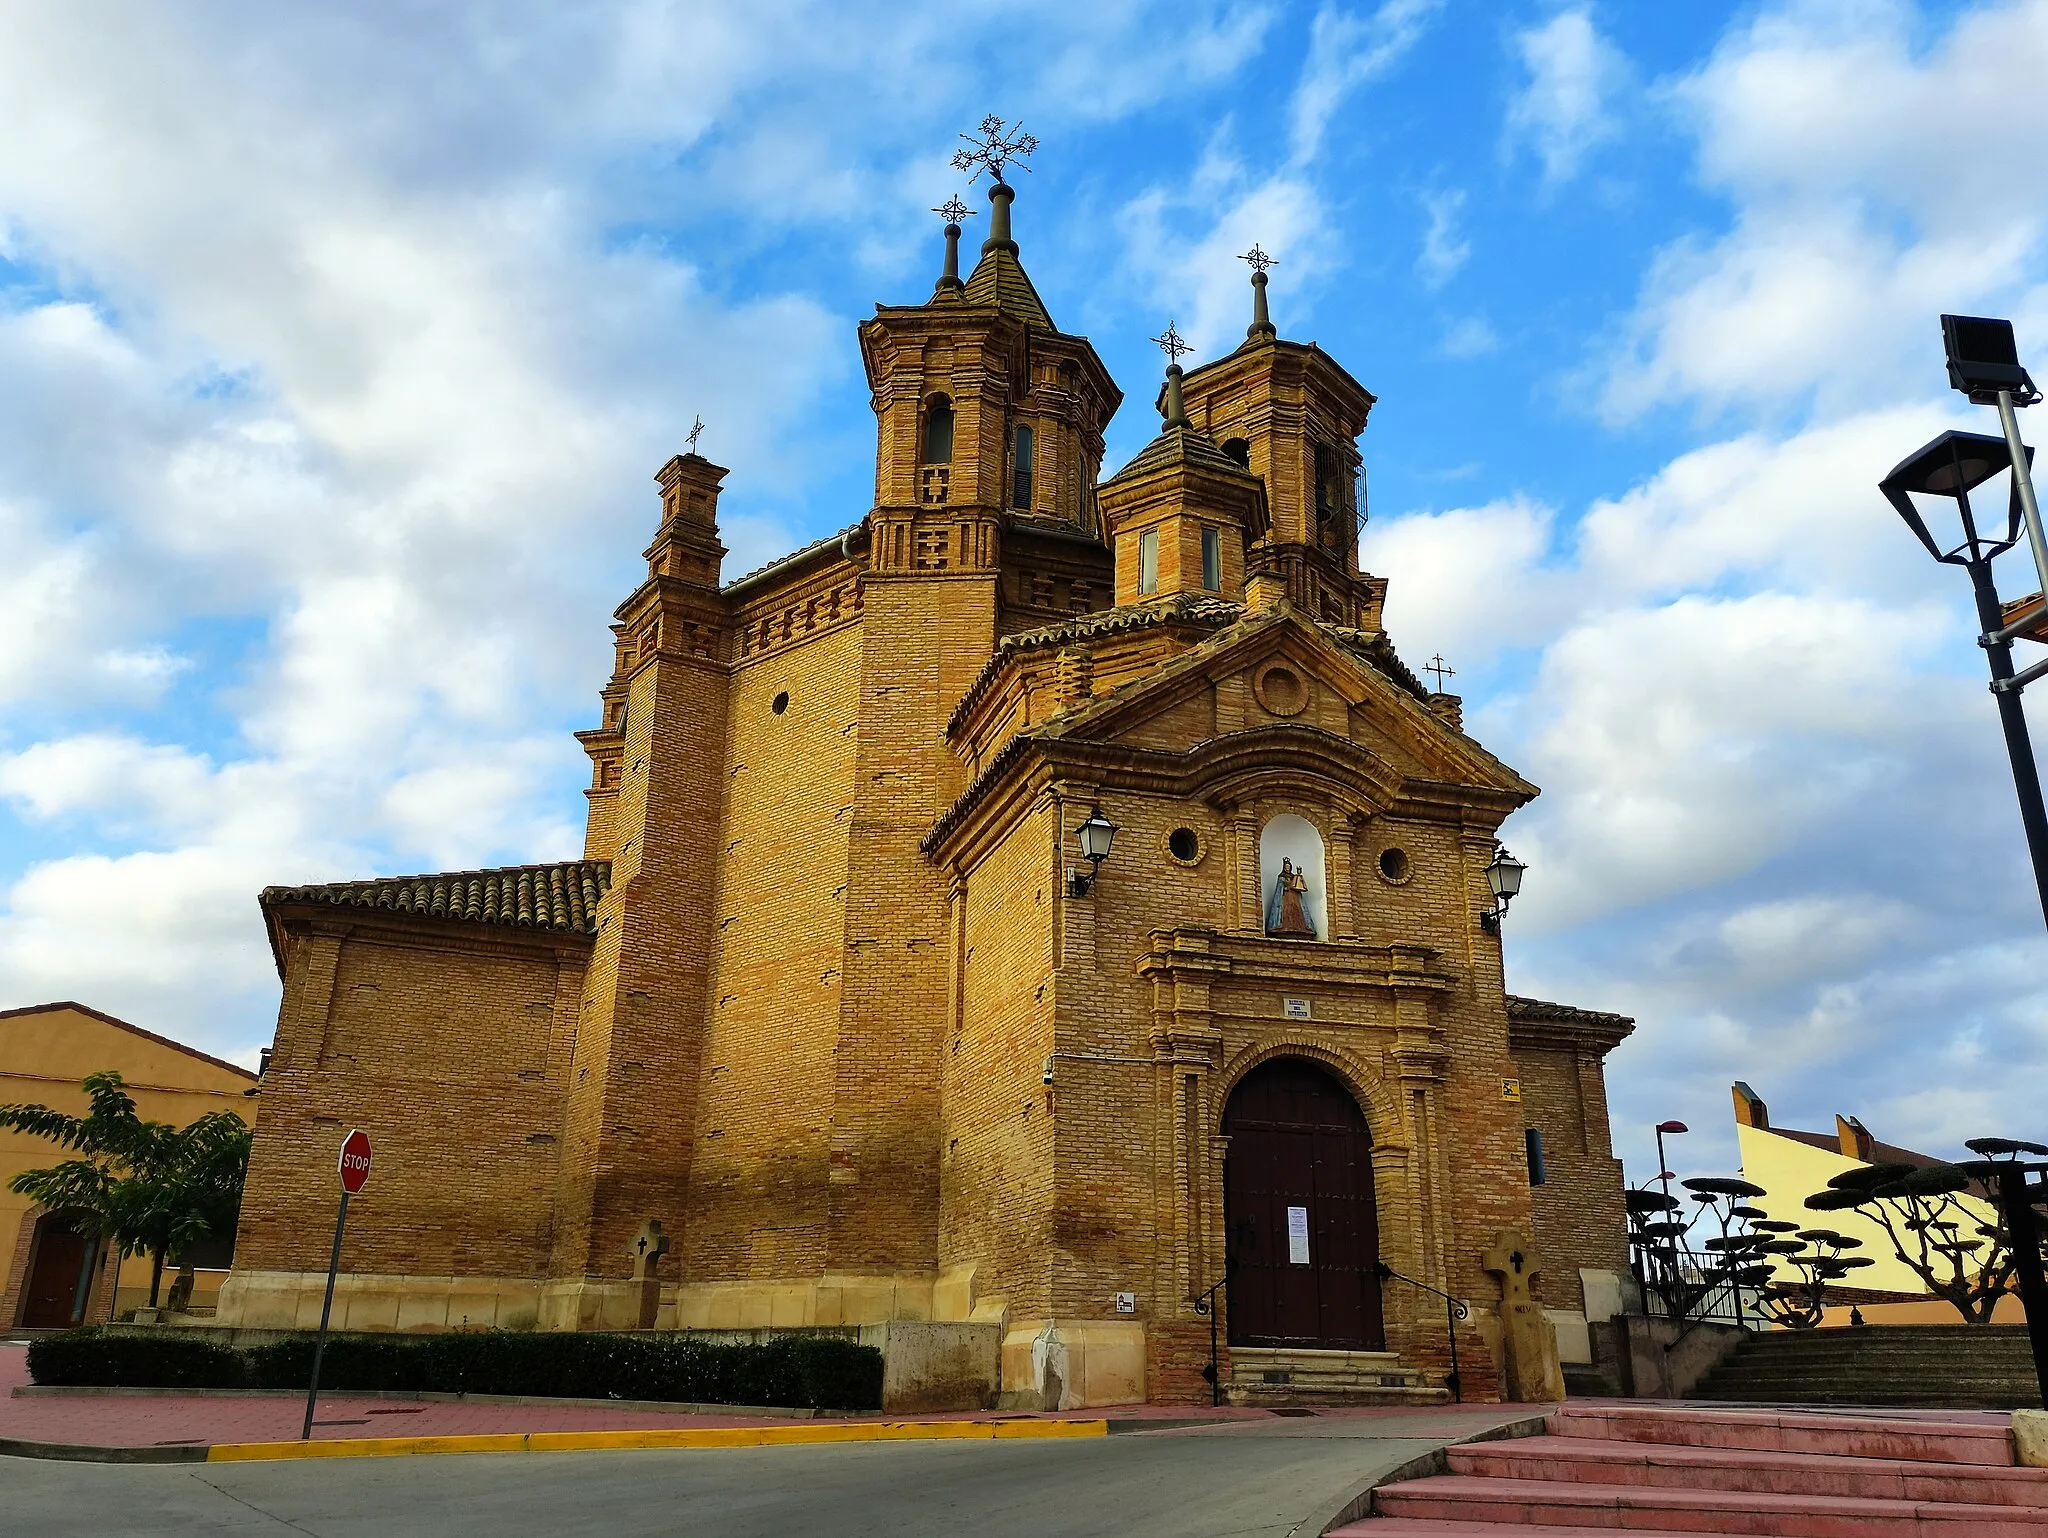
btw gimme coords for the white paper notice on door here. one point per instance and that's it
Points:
(1297, 1236)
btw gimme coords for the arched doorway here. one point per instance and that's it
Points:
(59, 1274)
(1299, 1215)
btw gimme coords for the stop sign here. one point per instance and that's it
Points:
(355, 1161)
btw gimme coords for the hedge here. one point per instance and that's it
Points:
(797, 1371)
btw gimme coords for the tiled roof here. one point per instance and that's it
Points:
(999, 280)
(559, 897)
(795, 555)
(1177, 446)
(1520, 1008)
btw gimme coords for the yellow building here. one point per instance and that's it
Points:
(1791, 1165)
(54, 1275)
(837, 996)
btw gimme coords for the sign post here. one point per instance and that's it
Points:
(355, 1174)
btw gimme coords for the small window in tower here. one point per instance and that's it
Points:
(1239, 450)
(938, 432)
(1148, 561)
(1212, 559)
(1020, 470)
(1533, 1137)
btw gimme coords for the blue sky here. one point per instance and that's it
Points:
(338, 349)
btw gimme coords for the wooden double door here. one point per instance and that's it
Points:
(1300, 1221)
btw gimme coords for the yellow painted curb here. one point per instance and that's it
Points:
(688, 1436)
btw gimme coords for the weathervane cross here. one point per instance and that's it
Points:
(994, 149)
(1258, 259)
(1437, 666)
(696, 432)
(953, 209)
(1172, 344)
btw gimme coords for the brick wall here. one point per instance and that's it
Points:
(449, 1045)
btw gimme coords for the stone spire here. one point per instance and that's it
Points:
(1261, 328)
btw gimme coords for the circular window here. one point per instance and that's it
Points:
(1394, 864)
(781, 703)
(1281, 690)
(1182, 844)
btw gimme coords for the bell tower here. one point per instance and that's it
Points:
(1182, 515)
(1291, 415)
(988, 424)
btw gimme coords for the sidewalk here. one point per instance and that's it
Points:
(171, 1419)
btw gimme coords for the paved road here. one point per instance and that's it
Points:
(1278, 1478)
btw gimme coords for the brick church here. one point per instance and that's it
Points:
(840, 996)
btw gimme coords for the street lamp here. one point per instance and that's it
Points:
(1948, 470)
(1664, 1164)
(1504, 881)
(1095, 836)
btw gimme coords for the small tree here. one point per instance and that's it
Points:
(147, 1186)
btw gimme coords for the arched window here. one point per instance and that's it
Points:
(1020, 470)
(1291, 859)
(938, 432)
(1239, 450)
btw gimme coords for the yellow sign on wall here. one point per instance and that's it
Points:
(1511, 1089)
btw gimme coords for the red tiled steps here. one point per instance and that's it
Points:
(1622, 1470)
(1982, 1441)
(1580, 1460)
(1542, 1503)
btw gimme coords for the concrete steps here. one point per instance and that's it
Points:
(1275, 1377)
(1617, 1470)
(1932, 1366)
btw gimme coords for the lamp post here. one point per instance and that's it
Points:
(1504, 881)
(1949, 469)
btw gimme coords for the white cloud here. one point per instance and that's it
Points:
(1562, 110)
(1444, 249)
(1345, 51)
(1868, 200)
(1470, 337)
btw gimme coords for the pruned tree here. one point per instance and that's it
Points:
(1935, 1218)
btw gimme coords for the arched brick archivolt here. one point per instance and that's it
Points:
(1381, 1104)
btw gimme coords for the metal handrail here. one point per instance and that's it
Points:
(1454, 1310)
(1206, 1304)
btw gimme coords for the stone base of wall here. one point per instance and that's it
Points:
(290, 1300)
(1073, 1364)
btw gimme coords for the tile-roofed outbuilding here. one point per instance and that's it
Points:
(561, 897)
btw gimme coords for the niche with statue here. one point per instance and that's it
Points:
(1291, 879)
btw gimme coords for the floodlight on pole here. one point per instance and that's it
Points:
(1947, 470)
(1984, 364)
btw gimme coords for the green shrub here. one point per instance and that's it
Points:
(97, 1357)
(797, 1371)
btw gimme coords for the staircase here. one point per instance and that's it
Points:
(1278, 1377)
(1626, 1471)
(1957, 1366)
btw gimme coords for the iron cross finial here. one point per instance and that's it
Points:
(1258, 259)
(1437, 666)
(994, 149)
(953, 209)
(696, 432)
(1172, 344)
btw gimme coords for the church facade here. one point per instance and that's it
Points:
(839, 998)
